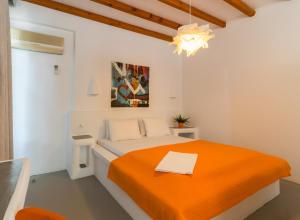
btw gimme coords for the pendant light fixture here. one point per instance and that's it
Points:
(191, 37)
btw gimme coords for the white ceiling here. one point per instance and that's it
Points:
(218, 8)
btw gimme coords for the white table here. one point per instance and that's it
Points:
(186, 131)
(81, 162)
(15, 177)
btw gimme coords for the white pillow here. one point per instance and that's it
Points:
(156, 127)
(124, 129)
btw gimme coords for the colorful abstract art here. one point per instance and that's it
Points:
(130, 85)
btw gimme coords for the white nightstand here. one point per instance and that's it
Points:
(81, 162)
(185, 132)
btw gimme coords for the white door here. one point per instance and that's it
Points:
(41, 101)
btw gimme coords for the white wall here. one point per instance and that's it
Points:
(246, 86)
(39, 116)
(96, 45)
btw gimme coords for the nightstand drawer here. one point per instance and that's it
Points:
(190, 132)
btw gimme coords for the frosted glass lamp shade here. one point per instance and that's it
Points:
(93, 88)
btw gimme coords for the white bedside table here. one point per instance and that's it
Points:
(191, 132)
(81, 162)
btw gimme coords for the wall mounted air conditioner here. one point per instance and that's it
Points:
(27, 40)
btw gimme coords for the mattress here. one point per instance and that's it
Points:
(122, 147)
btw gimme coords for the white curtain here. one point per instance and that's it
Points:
(6, 143)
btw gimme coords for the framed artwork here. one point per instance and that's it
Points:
(129, 85)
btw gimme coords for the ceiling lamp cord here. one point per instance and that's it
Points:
(190, 11)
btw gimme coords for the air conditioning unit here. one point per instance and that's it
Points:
(28, 40)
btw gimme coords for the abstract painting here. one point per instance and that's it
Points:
(130, 85)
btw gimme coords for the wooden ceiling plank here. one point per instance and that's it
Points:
(139, 13)
(99, 18)
(180, 5)
(242, 6)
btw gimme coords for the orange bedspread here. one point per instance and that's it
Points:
(223, 176)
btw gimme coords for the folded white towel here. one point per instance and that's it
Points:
(175, 162)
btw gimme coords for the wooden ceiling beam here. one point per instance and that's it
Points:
(242, 6)
(180, 5)
(138, 12)
(99, 18)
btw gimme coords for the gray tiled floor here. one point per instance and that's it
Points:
(86, 199)
(83, 199)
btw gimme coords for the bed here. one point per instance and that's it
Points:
(108, 151)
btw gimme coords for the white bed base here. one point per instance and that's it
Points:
(103, 157)
(18, 198)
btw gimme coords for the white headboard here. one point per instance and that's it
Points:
(93, 122)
